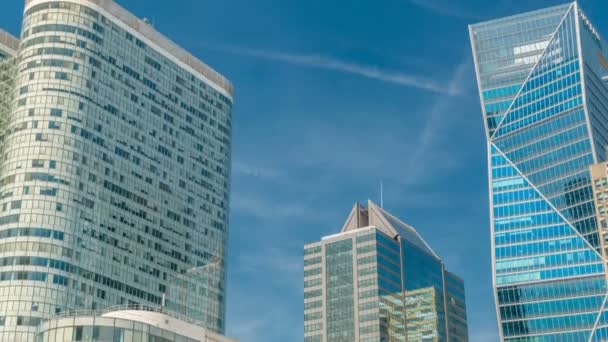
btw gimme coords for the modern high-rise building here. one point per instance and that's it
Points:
(545, 109)
(114, 170)
(378, 280)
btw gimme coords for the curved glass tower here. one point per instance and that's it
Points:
(545, 109)
(114, 171)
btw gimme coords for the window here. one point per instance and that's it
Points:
(60, 75)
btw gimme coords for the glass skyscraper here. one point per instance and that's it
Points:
(114, 170)
(545, 108)
(378, 280)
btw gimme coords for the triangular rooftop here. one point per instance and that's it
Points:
(374, 216)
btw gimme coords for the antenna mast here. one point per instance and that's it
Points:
(381, 195)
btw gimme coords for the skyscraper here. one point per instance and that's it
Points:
(114, 171)
(545, 108)
(378, 280)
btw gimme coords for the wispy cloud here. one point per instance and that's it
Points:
(439, 118)
(321, 61)
(264, 327)
(286, 262)
(283, 268)
(445, 8)
(248, 328)
(416, 156)
(275, 188)
(256, 171)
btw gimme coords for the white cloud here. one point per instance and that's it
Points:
(248, 329)
(410, 157)
(256, 171)
(321, 61)
(439, 119)
(255, 317)
(276, 189)
(445, 8)
(274, 321)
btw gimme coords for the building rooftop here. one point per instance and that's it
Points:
(154, 316)
(144, 28)
(361, 217)
(509, 19)
(9, 42)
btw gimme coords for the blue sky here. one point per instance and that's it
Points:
(333, 97)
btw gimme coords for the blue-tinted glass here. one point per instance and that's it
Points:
(543, 134)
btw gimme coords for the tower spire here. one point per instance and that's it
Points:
(382, 194)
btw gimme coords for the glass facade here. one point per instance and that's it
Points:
(339, 294)
(114, 171)
(543, 102)
(379, 281)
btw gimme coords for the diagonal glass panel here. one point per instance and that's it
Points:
(532, 241)
(545, 134)
(555, 156)
(554, 86)
(538, 254)
(601, 333)
(506, 51)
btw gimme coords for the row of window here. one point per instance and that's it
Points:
(556, 104)
(551, 308)
(564, 272)
(530, 235)
(565, 259)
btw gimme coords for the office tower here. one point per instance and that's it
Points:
(378, 280)
(115, 171)
(544, 108)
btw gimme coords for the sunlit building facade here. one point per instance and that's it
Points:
(378, 280)
(126, 324)
(545, 108)
(114, 171)
(9, 45)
